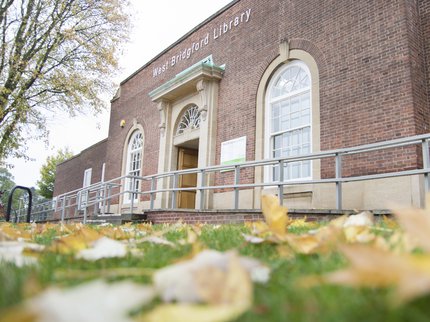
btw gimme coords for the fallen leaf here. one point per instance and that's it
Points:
(185, 289)
(253, 239)
(227, 291)
(364, 218)
(16, 231)
(416, 223)
(156, 240)
(96, 301)
(275, 215)
(103, 248)
(79, 239)
(373, 267)
(13, 252)
(358, 234)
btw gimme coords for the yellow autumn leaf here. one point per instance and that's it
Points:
(373, 267)
(416, 224)
(276, 216)
(80, 239)
(15, 231)
(303, 244)
(303, 223)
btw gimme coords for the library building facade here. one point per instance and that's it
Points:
(262, 80)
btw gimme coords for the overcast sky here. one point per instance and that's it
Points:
(157, 24)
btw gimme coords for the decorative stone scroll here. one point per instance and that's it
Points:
(162, 106)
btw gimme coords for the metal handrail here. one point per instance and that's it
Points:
(97, 192)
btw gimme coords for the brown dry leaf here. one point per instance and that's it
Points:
(416, 223)
(276, 216)
(80, 239)
(372, 267)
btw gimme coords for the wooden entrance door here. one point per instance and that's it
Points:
(187, 159)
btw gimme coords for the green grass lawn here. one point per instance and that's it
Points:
(281, 299)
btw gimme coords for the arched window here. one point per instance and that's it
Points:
(190, 120)
(289, 120)
(134, 164)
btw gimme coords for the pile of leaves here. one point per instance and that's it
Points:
(350, 268)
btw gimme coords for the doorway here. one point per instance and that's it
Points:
(187, 159)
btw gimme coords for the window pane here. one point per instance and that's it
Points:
(295, 105)
(295, 171)
(277, 142)
(275, 173)
(275, 125)
(285, 107)
(306, 169)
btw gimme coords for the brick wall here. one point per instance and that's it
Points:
(370, 56)
(70, 174)
(424, 10)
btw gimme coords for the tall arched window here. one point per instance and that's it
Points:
(134, 164)
(289, 120)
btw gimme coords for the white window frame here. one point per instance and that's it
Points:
(269, 136)
(133, 152)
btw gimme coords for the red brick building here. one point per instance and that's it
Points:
(275, 78)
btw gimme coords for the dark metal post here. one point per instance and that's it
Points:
(9, 203)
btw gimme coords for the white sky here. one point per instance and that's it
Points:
(157, 24)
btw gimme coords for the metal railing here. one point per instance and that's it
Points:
(98, 198)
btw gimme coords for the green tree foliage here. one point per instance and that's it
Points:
(48, 171)
(54, 54)
(6, 185)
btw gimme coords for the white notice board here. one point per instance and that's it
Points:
(233, 151)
